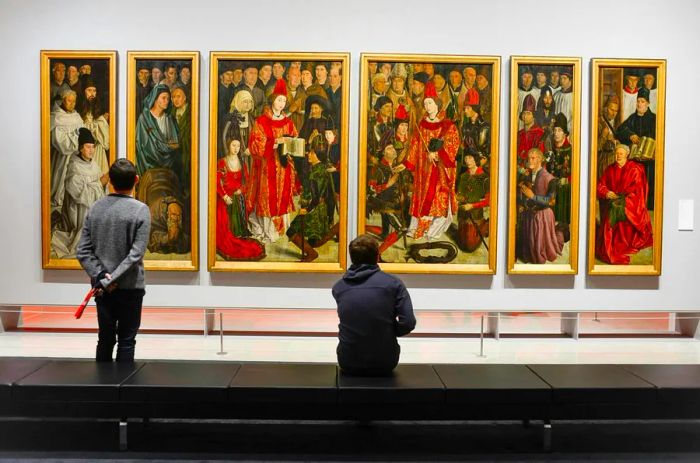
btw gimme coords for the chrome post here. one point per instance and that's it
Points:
(221, 334)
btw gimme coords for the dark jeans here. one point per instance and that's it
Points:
(119, 318)
(351, 366)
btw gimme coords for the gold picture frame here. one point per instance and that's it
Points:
(169, 176)
(63, 72)
(261, 241)
(393, 121)
(544, 206)
(612, 81)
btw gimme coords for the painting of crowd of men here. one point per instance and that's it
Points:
(428, 161)
(163, 154)
(278, 160)
(545, 120)
(80, 146)
(625, 169)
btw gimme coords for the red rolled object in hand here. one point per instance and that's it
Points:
(81, 308)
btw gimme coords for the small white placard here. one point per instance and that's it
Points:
(685, 214)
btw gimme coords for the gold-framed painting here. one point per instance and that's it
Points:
(544, 165)
(627, 166)
(78, 144)
(278, 158)
(428, 161)
(163, 142)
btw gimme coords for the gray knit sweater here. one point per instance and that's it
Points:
(114, 239)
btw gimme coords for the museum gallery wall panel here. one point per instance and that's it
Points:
(78, 144)
(386, 29)
(428, 161)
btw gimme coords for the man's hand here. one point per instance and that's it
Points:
(433, 156)
(611, 195)
(104, 179)
(634, 139)
(228, 200)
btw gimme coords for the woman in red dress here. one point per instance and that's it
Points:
(231, 221)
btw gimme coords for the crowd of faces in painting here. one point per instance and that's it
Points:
(277, 203)
(428, 159)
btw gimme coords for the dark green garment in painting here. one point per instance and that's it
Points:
(315, 199)
(237, 219)
(560, 167)
(157, 144)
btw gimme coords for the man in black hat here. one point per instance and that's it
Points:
(417, 90)
(641, 124)
(143, 83)
(526, 87)
(317, 120)
(96, 119)
(266, 82)
(629, 93)
(226, 89)
(559, 164)
(649, 82)
(381, 128)
(156, 72)
(85, 184)
(564, 99)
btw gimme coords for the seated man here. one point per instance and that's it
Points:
(374, 308)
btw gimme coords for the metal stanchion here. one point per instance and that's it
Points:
(595, 317)
(481, 339)
(221, 334)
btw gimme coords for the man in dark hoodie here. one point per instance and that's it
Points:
(374, 308)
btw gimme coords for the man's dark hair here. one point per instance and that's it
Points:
(122, 174)
(364, 250)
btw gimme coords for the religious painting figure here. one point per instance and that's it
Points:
(162, 133)
(427, 165)
(78, 98)
(279, 161)
(627, 147)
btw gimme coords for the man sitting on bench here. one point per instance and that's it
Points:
(374, 308)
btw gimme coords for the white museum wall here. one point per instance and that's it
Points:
(599, 28)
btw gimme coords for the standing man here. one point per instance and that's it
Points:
(374, 309)
(432, 160)
(607, 133)
(629, 93)
(111, 249)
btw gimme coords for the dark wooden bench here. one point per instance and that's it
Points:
(291, 391)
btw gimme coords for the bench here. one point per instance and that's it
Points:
(292, 391)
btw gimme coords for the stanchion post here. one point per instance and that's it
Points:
(221, 334)
(481, 339)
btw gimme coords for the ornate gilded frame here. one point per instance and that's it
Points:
(597, 66)
(570, 267)
(191, 264)
(488, 267)
(46, 56)
(216, 265)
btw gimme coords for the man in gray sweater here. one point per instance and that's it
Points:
(111, 249)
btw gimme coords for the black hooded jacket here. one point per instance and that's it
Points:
(374, 308)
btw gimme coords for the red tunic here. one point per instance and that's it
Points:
(528, 139)
(433, 183)
(615, 243)
(272, 185)
(227, 244)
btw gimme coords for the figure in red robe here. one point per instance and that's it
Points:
(432, 160)
(625, 227)
(530, 136)
(231, 221)
(273, 178)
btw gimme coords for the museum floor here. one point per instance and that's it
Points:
(322, 349)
